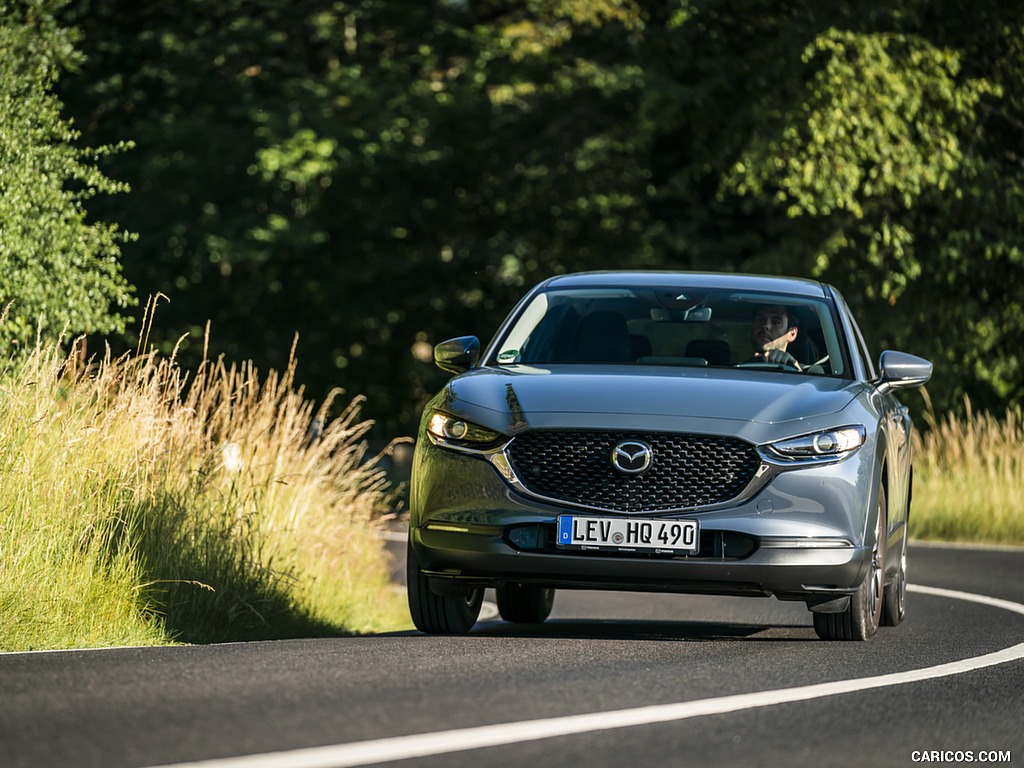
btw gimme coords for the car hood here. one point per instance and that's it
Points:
(521, 396)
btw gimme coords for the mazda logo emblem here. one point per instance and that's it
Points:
(632, 457)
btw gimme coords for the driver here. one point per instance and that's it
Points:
(774, 329)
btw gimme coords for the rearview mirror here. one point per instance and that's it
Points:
(457, 355)
(692, 315)
(902, 371)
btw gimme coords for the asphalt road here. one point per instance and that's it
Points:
(681, 681)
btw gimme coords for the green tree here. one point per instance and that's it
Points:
(59, 271)
(373, 175)
(871, 145)
(379, 175)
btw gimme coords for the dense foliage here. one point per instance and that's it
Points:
(59, 272)
(379, 175)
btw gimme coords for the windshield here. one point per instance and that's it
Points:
(676, 327)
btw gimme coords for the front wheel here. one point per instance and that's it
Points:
(524, 603)
(439, 614)
(861, 619)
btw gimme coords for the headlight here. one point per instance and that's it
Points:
(458, 433)
(831, 445)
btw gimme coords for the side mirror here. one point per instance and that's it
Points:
(457, 355)
(902, 371)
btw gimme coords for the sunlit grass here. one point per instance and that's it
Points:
(141, 506)
(969, 478)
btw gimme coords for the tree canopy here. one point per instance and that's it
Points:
(59, 271)
(378, 176)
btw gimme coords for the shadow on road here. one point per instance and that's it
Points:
(643, 630)
(599, 629)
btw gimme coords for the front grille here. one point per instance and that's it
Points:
(685, 471)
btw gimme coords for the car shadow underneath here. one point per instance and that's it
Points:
(633, 629)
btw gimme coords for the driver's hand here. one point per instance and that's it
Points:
(781, 357)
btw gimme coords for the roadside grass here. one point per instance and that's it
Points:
(969, 478)
(142, 506)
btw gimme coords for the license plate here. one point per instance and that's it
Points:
(617, 534)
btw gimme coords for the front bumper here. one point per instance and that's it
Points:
(472, 555)
(800, 537)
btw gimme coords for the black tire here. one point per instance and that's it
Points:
(439, 614)
(524, 603)
(861, 619)
(894, 604)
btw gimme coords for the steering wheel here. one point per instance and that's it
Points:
(773, 358)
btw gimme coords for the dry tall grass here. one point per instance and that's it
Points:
(138, 505)
(969, 478)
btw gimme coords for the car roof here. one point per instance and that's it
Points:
(729, 281)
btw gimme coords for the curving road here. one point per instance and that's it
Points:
(611, 680)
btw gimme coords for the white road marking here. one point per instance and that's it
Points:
(428, 744)
(995, 602)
